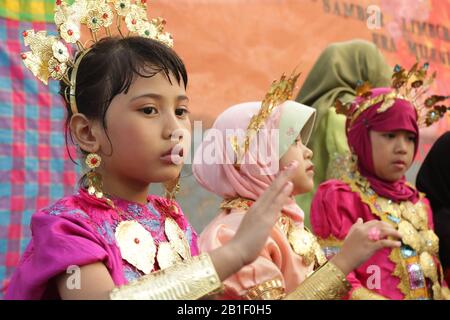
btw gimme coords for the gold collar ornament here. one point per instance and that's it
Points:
(136, 245)
(49, 56)
(176, 238)
(416, 259)
(302, 241)
(138, 248)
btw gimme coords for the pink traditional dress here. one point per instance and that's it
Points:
(412, 271)
(291, 252)
(81, 229)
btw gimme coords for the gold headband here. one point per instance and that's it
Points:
(49, 57)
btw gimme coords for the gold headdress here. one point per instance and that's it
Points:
(279, 92)
(409, 85)
(49, 56)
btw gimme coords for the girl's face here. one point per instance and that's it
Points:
(392, 153)
(147, 126)
(303, 180)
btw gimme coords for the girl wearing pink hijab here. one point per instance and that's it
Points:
(239, 170)
(383, 134)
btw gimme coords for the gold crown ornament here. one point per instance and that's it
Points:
(411, 85)
(49, 56)
(280, 91)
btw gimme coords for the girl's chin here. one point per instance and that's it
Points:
(165, 175)
(303, 189)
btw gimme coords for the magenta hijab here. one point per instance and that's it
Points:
(213, 165)
(401, 116)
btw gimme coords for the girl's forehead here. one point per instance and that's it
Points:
(158, 83)
(400, 131)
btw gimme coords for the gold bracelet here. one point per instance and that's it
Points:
(268, 290)
(326, 283)
(366, 294)
(189, 280)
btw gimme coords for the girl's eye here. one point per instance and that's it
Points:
(180, 112)
(389, 135)
(412, 138)
(149, 110)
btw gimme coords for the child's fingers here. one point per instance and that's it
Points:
(387, 244)
(390, 232)
(358, 222)
(277, 186)
(280, 199)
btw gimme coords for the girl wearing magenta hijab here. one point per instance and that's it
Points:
(383, 134)
(238, 159)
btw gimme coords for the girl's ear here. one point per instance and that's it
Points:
(85, 132)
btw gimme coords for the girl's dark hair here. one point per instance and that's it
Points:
(109, 69)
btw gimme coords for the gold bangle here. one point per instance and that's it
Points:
(326, 283)
(365, 294)
(189, 280)
(268, 290)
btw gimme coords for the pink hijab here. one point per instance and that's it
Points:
(401, 116)
(213, 165)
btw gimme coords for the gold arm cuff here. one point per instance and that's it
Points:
(268, 290)
(366, 294)
(327, 283)
(188, 280)
(445, 293)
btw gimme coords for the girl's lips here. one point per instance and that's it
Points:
(400, 165)
(172, 157)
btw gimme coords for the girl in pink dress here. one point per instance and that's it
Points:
(383, 134)
(127, 111)
(239, 170)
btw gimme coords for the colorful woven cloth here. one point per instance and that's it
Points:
(35, 169)
(27, 10)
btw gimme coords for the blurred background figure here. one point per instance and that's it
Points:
(434, 180)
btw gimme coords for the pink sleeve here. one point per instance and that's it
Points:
(261, 270)
(334, 209)
(57, 243)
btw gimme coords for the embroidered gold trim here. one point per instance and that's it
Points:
(331, 241)
(236, 203)
(420, 242)
(366, 294)
(330, 246)
(268, 290)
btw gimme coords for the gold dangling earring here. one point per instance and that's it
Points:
(171, 189)
(95, 182)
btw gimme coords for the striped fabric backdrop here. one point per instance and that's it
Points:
(35, 168)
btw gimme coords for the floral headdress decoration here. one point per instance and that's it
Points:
(49, 56)
(411, 85)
